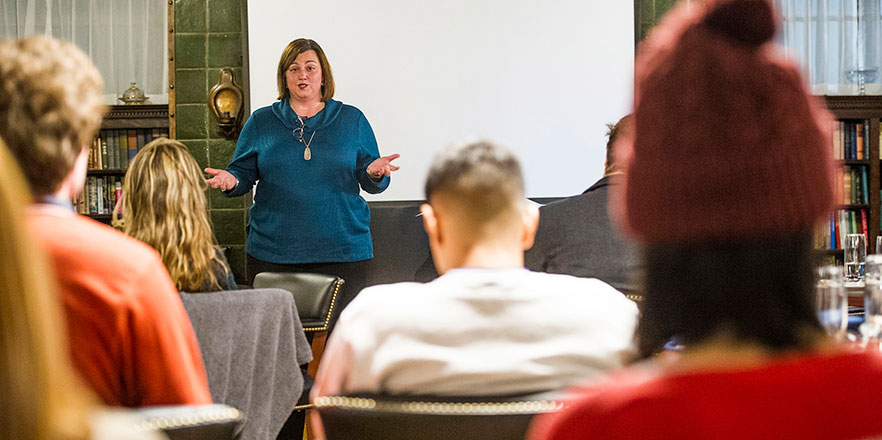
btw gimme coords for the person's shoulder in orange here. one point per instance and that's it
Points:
(130, 336)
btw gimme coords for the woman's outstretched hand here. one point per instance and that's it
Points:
(382, 167)
(222, 179)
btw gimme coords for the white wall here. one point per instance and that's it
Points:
(540, 77)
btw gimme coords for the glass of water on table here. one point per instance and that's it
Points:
(872, 326)
(855, 249)
(830, 301)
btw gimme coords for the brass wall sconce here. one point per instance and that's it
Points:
(226, 101)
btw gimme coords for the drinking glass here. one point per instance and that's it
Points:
(872, 325)
(855, 256)
(830, 300)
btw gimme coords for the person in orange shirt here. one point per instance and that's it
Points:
(42, 396)
(130, 337)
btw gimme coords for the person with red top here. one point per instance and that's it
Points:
(130, 337)
(727, 174)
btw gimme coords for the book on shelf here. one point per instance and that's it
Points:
(123, 137)
(864, 224)
(837, 140)
(854, 222)
(837, 242)
(864, 191)
(113, 149)
(133, 144)
(859, 142)
(99, 198)
(102, 141)
(121, 149)
(839, 186)
(92, 195)
(852, 135)
(117, 191)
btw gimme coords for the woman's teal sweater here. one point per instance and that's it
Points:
(307, 211)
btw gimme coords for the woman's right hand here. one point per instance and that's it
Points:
(222, 179)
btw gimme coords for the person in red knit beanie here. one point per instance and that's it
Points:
(726, 176)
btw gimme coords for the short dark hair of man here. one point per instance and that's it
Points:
(623, 127)
(482, 176)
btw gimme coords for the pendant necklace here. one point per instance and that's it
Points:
(306, 153)
(298, 133)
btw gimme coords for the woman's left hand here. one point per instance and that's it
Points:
(382, 167)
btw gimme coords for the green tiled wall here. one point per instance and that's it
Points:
(208, 36)
(649, 12)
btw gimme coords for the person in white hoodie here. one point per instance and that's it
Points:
(487, 326)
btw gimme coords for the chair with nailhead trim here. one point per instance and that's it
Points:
(369, 417)
(190, 422)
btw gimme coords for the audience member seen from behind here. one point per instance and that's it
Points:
(487, 326)
(130, 337)
(164, 205)
(576, 236)
(728, 175)
(42, 397)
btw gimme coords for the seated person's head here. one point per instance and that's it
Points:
(50, 109)
(728, 174)
(164, 205)
(39, 393)
(476, 213)
(623, 131)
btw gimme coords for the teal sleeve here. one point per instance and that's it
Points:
(367, 153)
(244, 164)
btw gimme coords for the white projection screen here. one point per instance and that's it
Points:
(542, 78)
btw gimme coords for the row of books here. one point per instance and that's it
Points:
(841, 222)
(851, 140)
(853, 182)
(113, 149)
(99, 195)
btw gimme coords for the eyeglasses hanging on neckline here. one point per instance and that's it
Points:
(298, 134)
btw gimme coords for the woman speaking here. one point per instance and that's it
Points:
(308, 154)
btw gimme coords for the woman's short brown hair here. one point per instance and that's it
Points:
(291, 51)
(51, 106)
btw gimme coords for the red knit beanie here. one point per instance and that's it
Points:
(727, 143)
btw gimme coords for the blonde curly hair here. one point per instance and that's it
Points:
(50, 107)
(164, 205)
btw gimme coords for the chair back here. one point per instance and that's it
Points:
(315, 295)
(369, 417)
(190, 422)
(252, 345)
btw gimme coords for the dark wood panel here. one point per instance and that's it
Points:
(136, 116)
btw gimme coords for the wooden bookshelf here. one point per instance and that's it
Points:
(850, 111)
(124, 130)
